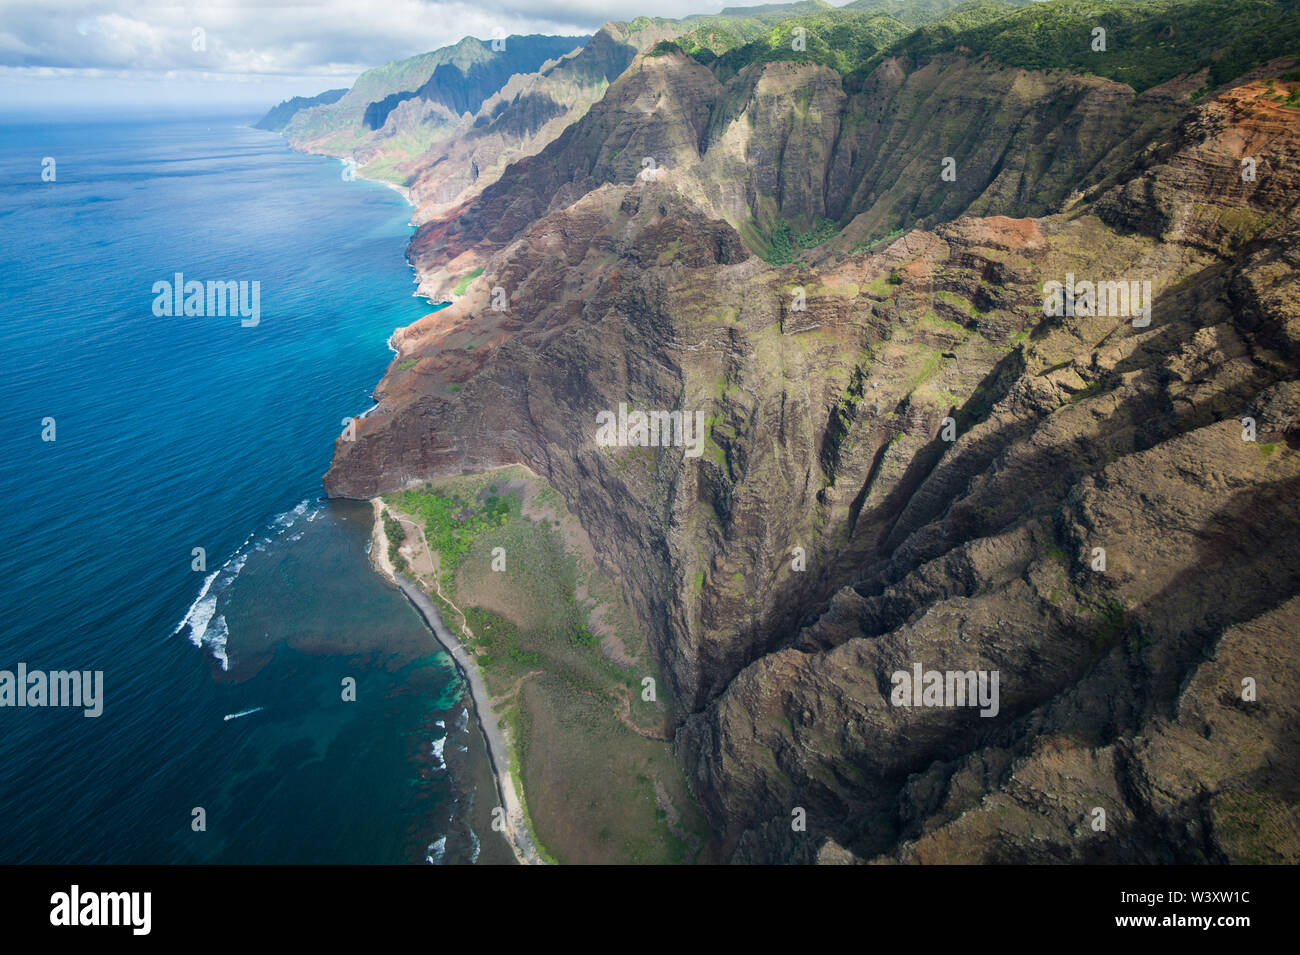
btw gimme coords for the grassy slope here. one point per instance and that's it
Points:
(590, 782)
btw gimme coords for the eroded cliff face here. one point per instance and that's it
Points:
(826, 384)
(785, 143)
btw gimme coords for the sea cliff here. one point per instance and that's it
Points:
(910, 458)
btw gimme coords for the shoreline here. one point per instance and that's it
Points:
(516, 831)
(355, 168)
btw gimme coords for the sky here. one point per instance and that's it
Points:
(87, 55)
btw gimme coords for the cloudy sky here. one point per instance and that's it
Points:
(92, 53)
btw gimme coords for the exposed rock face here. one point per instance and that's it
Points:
(520, 119)
(448, 123)
(830, 386)
(786, 142)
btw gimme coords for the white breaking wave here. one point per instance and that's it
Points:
(286, 519)
(200, 612)
(436, 851)
(207, 627)
(215, 640)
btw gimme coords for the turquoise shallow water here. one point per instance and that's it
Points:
(181, 432)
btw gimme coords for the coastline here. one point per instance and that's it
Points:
(516, 831)
(562, 662)
(402, 191)
(355, 168)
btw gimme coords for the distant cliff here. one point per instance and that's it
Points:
(277, 117)
(912, 459)
(464, 83)
(394, 114)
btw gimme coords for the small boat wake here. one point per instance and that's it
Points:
(234, 716)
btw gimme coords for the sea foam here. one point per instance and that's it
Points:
(208, 629)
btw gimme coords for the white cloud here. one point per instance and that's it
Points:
(330, 38)
(61, 54)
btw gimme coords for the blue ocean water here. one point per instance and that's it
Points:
(173, 433)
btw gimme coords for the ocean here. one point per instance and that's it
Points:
(270, 700)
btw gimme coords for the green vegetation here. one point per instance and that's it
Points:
(396, 535)
(839, 39)
(463, 284)
(880, 286)
(822, 230)
(451, 523)
(913, 13)
(932, 361)
(664, 47)
(1256, 826)
(1089, 390)
(497, 634)
(1147, 41)
(709, 36)
(781, 246)
(962, 304)
(406, 364)
(1114, 627)
(871, 245)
